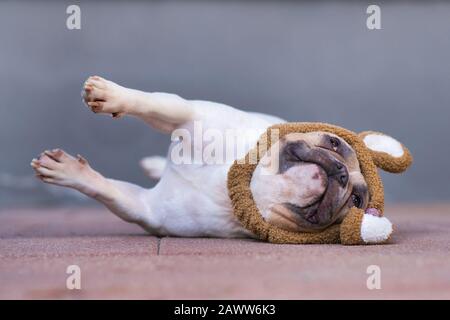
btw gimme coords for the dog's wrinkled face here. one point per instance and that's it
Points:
(308, 181)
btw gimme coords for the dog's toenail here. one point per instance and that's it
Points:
(35, 163)
(81, 159)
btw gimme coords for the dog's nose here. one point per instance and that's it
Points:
(341, 174)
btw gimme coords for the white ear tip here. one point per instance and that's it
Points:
(375, 229)
(383, 143)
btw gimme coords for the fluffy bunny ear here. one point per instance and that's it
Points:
(387, 153)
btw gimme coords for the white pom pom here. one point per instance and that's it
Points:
(375, 229)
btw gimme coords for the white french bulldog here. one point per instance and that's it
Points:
(191, 199)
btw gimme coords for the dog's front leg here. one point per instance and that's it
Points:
(163, 111)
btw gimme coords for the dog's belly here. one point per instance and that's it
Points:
(192, 199)
(194, 202)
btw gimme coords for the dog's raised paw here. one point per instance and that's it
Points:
(104, 96)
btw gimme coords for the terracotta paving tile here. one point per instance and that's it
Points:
(78, 246)
(219, 277)
(62, 222)
(117, 260)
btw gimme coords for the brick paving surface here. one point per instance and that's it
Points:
(118, 260)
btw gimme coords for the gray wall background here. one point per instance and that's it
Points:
(301, 61)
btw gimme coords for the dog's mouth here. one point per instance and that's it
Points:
(308, 213)
(322, 212)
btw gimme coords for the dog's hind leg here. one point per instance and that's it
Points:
(128, 201)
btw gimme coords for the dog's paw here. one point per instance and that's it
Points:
(375, 229)
(104, 96)
(60, 168)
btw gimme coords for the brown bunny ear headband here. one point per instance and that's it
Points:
(373, 149)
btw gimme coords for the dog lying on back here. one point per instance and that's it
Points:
(317, 180)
